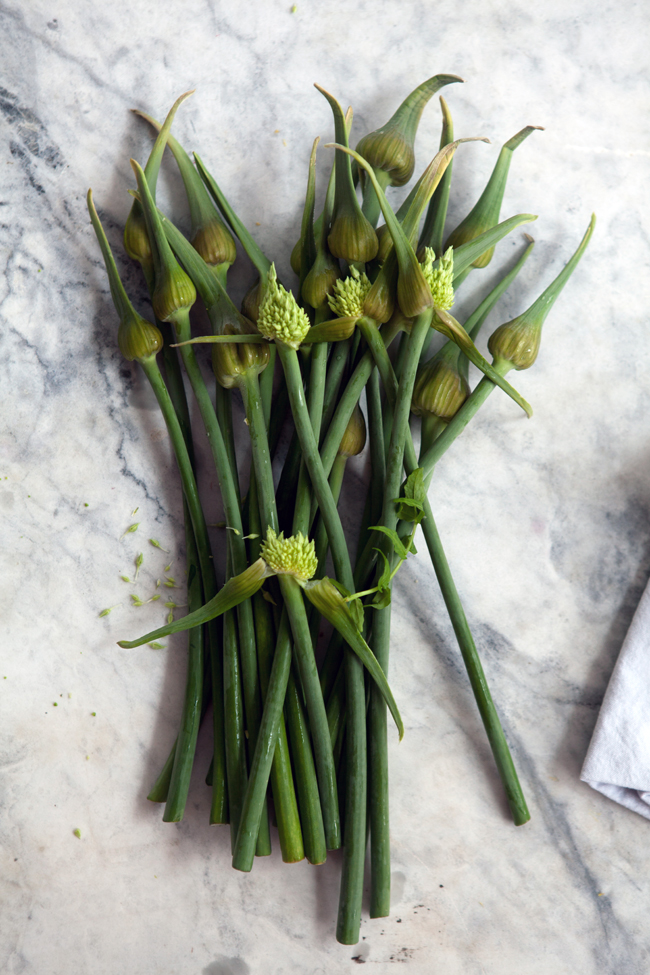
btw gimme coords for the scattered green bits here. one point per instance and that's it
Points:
(138, 565)
(55, 704)
(105, 612)
(77, 832)
(131, 529)
(93, 714)
(125, 579)
(156, 544)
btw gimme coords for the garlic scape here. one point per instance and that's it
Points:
(515, 344)
(209, 235)
(351, 236)
(390, 149)
(307, 237)
(253, 250)
(485, 213)
(380, 304)
(137, 338)
(516, 341)
(173, 293)
(136, 238)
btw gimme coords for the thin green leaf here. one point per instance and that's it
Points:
(400, 551)
(235, 591)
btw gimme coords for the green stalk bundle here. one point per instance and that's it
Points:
(299, 729)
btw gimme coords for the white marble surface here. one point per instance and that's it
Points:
(546, 522)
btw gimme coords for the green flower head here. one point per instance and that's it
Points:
(294, 556)
(280, 316)
(440, 279)
(349, 295)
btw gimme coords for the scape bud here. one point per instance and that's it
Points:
(173, 292)
(485, 214)
(439, 389)
(354, 439)
(320, 281)
(231, 362)
(136, 238)
(390, 148)
(251, 301)
(352, 237)
(138, 339)
(214, 242)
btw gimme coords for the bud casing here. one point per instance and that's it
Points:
(173, 292)
(231, 362)
(439, 388)
(138, 339)
(354, 439)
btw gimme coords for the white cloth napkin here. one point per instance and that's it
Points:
(618, 760)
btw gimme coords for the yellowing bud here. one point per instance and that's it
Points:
(380, 300)
(251, 302)
(136, 239)
(215, 243)
(352, 237)
(387, 149)
(294, 556)
(354, 438)
(232, 361)
(320, 281)
(439, 389)
(516, 342)
(173, 292)
(138, 338)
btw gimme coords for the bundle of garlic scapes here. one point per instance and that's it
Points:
(296, 725)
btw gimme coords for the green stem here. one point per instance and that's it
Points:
(234, 723)
(378, 754)
(304, 656)
(487, 710)
(261, 455)
(338, 545)
(264, 751)
(231, 504)
(191, 715)
(282, 785)
(354, 847)
(355, 816)
(208, 574)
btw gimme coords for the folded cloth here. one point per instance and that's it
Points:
(618, 760)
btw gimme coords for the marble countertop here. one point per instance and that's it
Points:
(546, 522)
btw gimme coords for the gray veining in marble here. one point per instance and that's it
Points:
(546, 522)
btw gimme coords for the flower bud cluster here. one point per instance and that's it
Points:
(280, 316)
(440, 279)
(294, 556)
(349, 295)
